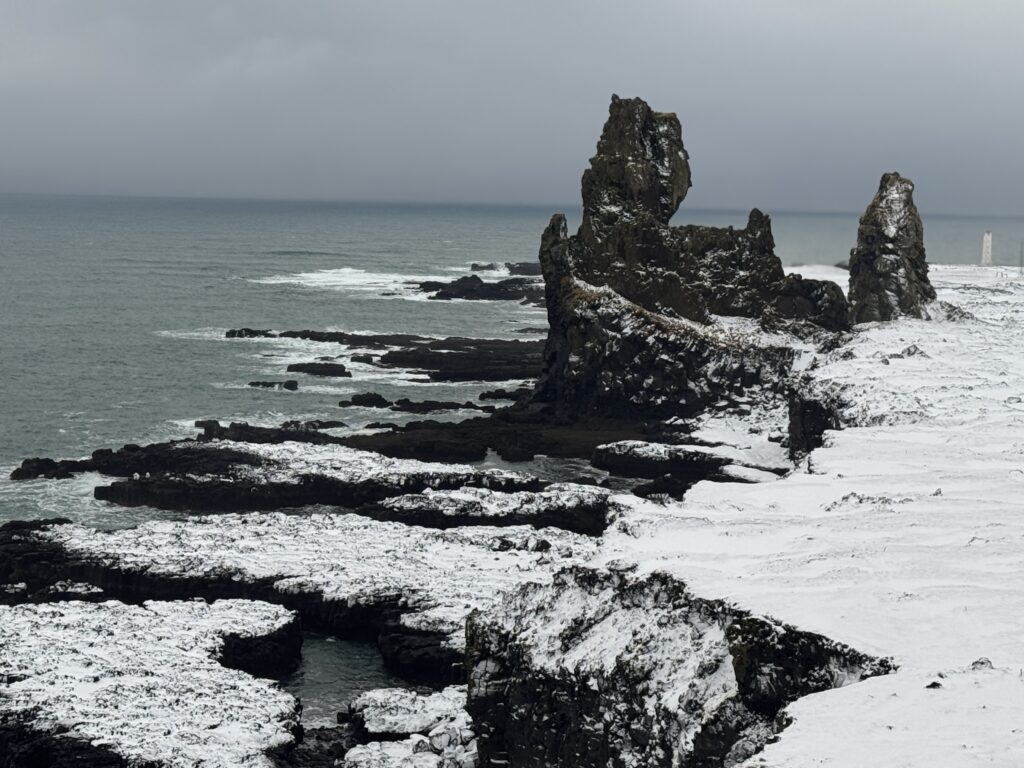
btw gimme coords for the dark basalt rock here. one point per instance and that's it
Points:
(512, 434)
(364, 340)
(526, 268)
(586, 515)
(241, 432)
(431, 406)
(809, 419)
(450, 359)
(650, 684)
(618, 289)
(366, 400)
(506, 394)
(231, 494)
(337, 370)
(313, 425)
(319, 748)
(23, 747)
(470, 359)
(888, 271)
(155, 459)
(472, 288)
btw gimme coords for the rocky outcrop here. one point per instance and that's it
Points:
(111, 684)
(337, 370)
(408, 588)
(472, 288)
(632, 301)
(610, 668)
(584, 509)
(888, 271)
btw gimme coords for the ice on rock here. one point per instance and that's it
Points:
(144, 680)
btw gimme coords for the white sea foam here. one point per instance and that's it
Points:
(354, 280)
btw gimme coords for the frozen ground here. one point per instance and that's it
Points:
(144, 681)
(903, 536)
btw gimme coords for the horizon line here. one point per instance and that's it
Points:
(553, 207)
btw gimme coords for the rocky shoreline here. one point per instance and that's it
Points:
(676, 360)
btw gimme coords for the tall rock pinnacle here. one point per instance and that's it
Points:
(888, 271)
(641, 166)
(634, 303)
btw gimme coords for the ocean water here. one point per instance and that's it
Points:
(113, 310)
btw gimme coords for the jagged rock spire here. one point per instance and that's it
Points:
(888, 271)
(641, 166)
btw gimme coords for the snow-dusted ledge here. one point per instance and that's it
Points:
(437, 576)
(574, 507)
(144, 682)
(289, 462)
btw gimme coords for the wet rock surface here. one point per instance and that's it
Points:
(888, 271)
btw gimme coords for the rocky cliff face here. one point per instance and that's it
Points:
(617, 290)
(611, 668)
(888, 272)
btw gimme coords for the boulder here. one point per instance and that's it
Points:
(888, 271)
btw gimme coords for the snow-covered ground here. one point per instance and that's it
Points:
(440, 576)
(144, 681)
(903, 536)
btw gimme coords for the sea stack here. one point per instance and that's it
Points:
(632, 301)
(888, 271)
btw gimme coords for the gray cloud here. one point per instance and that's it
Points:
(793, 104)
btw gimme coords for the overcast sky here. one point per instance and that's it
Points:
(787, 105)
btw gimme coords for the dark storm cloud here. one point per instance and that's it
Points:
(789, 104)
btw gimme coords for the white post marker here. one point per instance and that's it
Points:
(986, 250)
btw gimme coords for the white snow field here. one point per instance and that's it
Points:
(903, 536)
(144, 681)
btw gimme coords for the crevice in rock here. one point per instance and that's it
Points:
(418, 656)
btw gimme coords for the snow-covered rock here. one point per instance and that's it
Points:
(603, 667)
(143, 681)
(580, 508)
(901, 536)
(290, 474)
(433, 577)
(403, 712)
(888, 271)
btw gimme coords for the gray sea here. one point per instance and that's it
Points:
(113, 313)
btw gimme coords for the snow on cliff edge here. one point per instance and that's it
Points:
(903, 536)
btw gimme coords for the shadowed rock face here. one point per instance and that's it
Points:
(619, 292)
(888, 272)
